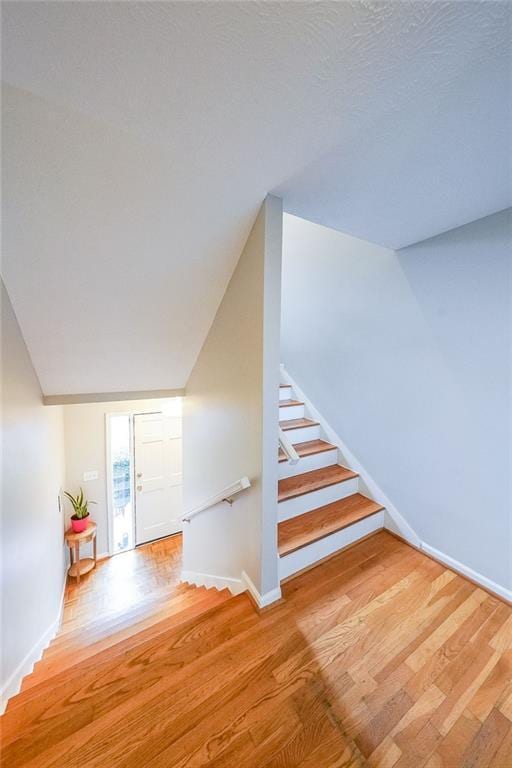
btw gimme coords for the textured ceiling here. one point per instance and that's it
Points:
(140, 138)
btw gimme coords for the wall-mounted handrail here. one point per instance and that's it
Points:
(225, 495)
(287, 447)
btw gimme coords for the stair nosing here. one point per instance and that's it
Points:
(310, 423)
(328, 447)
(320, 536)
(327, 484)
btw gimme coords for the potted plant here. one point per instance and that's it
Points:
(79, 521)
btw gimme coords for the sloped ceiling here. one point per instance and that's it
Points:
(140, 139)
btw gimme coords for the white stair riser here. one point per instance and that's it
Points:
(315, 499)
(291, 412)
(285, 393)
(308, 463)
(316, 551)
(302, 434)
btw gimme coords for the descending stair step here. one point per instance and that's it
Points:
(85, 659)
(300, 531)
(109, 623)
(297, 424)
(308, 448)
(141, 665)
(290, 487)
(288, 403)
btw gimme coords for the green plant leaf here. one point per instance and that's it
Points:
(73, 500)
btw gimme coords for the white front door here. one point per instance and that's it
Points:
(158, 475)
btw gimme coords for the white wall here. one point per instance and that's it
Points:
(32, 525)
(230, 426)
(408, 355)
(85, 435)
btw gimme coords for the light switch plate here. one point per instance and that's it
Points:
(91, 475)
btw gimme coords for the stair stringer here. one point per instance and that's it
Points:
(393, 520)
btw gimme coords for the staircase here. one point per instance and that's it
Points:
(111, 634)
(321, 509)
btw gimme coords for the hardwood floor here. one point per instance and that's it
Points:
(119, 583)
(378, 657)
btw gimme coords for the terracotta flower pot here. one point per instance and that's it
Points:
(79, 525)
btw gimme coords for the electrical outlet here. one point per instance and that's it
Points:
(91, 475)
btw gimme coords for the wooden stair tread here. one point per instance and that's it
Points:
(309, 448)
(113, 622)
(289, 402)
(113, 614)
(53, 656)
(285, 386)
(290, 487)
(297, 424)
(304, 529)
(187, 627)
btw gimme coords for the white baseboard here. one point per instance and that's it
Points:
(207, 580)
(394, 520)
(13, 684)
(262, 601)
(464, 570)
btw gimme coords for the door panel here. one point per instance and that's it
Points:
(158, 475)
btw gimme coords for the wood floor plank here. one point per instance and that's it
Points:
(438, 602)
(448, 654)
(463, 691)
(447, 628)
(420, 748)
(503, 755)
(487, 741)
(505, 703)
(378, 657)
(450, 750)
(335, 642)
(491, 689)
(384, 722)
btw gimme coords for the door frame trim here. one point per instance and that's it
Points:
(109, 479)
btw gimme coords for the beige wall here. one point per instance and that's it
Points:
(85, 436)
(33, 565)
(231, 419)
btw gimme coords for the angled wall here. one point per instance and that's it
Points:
(408, 356)
(230, 420)
(32, 525)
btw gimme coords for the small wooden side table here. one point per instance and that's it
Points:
(78, 566)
